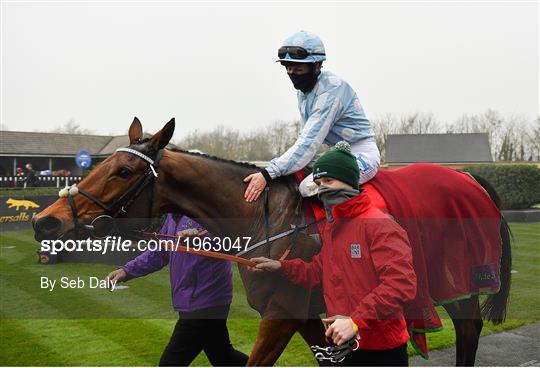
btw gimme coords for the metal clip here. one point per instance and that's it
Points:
(336, 354)
(325, 353)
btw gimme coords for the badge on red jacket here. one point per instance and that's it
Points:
(355, 251)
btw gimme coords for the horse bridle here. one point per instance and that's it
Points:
(126, 200)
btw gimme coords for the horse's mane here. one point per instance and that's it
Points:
(216, 158)
(288, 180)
(211, 157)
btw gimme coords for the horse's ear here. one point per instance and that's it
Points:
(162, 138)
(135, 131)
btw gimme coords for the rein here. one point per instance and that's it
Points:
(295, 230)
(233, 258)
(206, 253)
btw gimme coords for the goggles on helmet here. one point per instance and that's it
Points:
(296, 52)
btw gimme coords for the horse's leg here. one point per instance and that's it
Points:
(312, 331)
(468, 324)
(472, 312)
(273, 337)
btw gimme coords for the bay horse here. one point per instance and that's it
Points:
(144, 180)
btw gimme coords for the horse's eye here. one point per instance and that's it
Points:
(124, 173)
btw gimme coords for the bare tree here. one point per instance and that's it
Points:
(416, 123)
(259, 144)
(533, 139)
(511, 137)
(382, 127)
(71, 127)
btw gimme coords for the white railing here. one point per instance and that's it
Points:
(43, 181)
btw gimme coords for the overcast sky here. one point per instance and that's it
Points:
(207, 64)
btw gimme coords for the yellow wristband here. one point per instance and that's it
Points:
(354, 326)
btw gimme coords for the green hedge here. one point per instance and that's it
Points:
(517, 185)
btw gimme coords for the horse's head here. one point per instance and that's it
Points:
(120, 186)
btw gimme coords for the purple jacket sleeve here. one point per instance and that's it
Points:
(149, 261)
(145, 263)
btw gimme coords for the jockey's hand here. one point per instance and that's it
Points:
(187, 233)
(118, 275)
(257, 183)
(341, 330)
(265, 264)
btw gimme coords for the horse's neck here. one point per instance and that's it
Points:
(212, 192)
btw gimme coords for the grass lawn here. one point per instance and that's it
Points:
(131, 326)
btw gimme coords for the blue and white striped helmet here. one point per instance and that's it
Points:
(308, 41)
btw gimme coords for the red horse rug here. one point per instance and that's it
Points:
(454, 231)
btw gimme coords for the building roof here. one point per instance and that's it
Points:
(59, 144)
(438, 148)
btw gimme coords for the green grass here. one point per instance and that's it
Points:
(131, 326)
(28, 192)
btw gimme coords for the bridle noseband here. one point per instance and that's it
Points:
(122, 204)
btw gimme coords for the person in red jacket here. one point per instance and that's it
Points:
(365, 268)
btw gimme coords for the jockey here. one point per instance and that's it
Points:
(330, 111)
(365, 267)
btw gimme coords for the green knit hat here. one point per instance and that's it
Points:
(338, 163)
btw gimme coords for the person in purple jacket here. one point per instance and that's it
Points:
(201, 290)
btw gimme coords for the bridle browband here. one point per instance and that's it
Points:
(122, 204)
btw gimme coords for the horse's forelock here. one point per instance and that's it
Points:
(143, 147)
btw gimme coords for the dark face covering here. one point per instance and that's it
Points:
(332, 196)
(305, 82)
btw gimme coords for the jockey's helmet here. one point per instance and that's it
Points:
(302, 47)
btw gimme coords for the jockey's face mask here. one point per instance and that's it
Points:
(305, 82)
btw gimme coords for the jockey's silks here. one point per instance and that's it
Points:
(330, 112)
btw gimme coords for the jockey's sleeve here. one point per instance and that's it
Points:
(326, 107)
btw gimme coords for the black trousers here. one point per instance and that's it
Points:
(206, 330)
(396, 357)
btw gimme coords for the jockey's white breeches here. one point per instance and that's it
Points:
(368, 158)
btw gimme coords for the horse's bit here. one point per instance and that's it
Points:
(337, 353)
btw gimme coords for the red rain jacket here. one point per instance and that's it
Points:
(366, 270)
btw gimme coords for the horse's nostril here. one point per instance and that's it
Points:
(48, 225)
